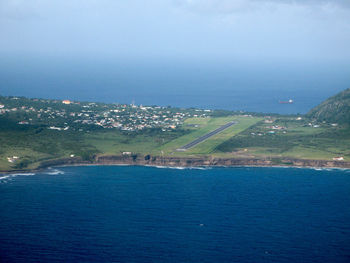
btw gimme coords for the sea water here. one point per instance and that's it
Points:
(230, 84)
(148, 214)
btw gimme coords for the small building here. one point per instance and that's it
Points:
(55, 128)
(67, 102)
(339, 158)
(12, 159)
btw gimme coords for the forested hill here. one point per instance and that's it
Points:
(336, 109)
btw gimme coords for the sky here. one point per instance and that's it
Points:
(310, 30)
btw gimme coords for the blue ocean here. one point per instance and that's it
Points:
(230, 84)
(145, 214)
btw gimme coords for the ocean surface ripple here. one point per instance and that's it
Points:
(146, 214)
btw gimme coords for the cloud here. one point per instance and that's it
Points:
(231, 6)
(27, 9)
(177, 28)
(310, 2)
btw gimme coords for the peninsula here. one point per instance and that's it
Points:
(38, 133)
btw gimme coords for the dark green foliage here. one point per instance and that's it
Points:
(22, 163)
(11, 125)
(334, 110)
(134, 157)
(87, 154)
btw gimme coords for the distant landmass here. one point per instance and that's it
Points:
(336, 109)
(38, 133)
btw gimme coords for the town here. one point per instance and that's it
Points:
(65, 114)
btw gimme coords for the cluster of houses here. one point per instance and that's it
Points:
(272, 128)
(132, 117)
(121, 116)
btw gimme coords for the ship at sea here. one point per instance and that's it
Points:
(286, 102)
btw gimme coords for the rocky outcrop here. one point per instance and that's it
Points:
(185, 162)
(211, 161)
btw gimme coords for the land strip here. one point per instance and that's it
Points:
(206, 136)
(199, 127)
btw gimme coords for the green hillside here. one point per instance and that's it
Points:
(336, 109)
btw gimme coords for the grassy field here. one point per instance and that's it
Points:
(116, 142)
(34, 145)
(297, 140)
(206, 125)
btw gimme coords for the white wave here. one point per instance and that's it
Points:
(4, 177)
(22, 174)
(170, 167)
(329, 169)
(199, 168)
(183, 168)
(178, 168)
(55, 172)
(249, 167)
(10, 176)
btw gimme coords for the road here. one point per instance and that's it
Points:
(206, 136)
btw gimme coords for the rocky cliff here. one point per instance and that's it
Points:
(210, 161)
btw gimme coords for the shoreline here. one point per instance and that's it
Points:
(183, 163)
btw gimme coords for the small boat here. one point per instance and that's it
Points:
(286, 102)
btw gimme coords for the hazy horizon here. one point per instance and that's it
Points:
(231, 85)
(201, 53)
(209, 29)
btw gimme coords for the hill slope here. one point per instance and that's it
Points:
(336, 109)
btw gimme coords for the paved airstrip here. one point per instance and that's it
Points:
(206, 136)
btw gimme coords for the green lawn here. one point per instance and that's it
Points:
(35, 145)
(298, 141)
(206, 125)
(116, 143)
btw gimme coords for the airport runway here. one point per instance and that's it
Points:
(206, 136)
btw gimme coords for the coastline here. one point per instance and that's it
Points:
(181, 162)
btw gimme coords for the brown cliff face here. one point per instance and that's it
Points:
(210, 161)
(188, 162)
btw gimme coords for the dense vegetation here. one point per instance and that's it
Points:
(335, 109)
